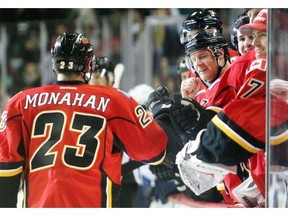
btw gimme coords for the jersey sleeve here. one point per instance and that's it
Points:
(234, 134)
(11, 156)
(142, 138)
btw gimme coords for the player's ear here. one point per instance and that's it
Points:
(221, 55)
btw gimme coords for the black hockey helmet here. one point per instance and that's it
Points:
(103, 63)
(200, 19)
(104, 66)
(204, 40)
(239, 21)
(72, 52)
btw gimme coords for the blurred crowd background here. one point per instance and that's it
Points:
(146, 41)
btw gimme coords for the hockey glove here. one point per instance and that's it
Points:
(159, 102)
(188, 116)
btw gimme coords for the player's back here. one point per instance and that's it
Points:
(69, 140)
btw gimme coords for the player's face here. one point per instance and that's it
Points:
(205, 64)
(260, 43)
(244, 43)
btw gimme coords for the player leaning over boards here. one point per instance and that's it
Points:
(238, 132)
(208, 58)
(209, 22)
(63, 141)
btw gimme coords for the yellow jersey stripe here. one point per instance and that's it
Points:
(234, 136)
(11, 172)
(159, 161)
(109, 193)
(214, 108)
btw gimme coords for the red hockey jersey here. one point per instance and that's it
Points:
(225, 88)
(67, 141)
(238, 133)
(245, 78)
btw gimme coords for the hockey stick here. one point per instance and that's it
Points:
(118, 72)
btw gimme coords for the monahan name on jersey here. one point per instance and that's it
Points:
(68, 98)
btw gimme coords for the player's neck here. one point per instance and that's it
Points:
(70, 77)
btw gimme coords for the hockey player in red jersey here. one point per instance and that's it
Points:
(235, 136)
(200, 20)
(206, 54)
(201, 35)
(229, 85)
(241, 43)
(224, 90)
(64, 141)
